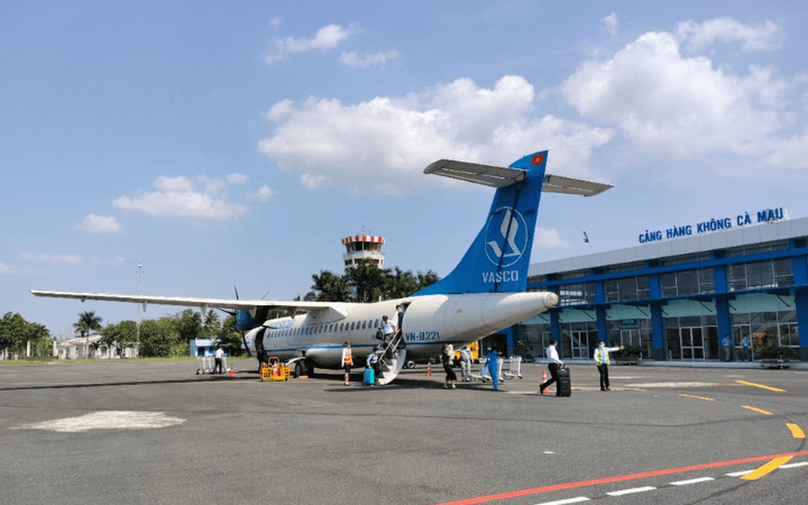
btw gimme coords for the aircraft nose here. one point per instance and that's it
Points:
(551, 300)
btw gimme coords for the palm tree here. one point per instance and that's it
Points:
(88, 322)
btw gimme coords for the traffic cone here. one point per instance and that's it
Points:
(232, 372)
(428, 368)
(543, 378)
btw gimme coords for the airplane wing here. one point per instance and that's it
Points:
(330, 310)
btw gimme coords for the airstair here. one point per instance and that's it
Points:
(392, 360)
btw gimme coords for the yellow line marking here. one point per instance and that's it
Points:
(697, 397)
(796, 431)
(757, 410)
(761, 386)
(767, 468)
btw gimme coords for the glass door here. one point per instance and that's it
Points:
(580, 344)
(692, 342)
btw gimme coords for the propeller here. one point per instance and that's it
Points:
(243, 334)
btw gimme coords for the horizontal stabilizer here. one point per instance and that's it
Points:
(570, 186)
(488, 175)
(500, 177)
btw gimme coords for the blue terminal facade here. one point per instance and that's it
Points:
(677, 298)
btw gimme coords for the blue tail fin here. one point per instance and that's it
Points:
(499, 257)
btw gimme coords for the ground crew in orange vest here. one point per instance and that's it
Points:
(347, 362)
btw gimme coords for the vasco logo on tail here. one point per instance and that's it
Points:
(506, 243)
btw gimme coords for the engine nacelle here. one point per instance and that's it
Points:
(249, 319)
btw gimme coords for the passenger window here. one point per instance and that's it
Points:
(364, 324)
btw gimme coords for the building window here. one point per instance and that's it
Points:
(577, 294)
(632, 288)
(760, 274)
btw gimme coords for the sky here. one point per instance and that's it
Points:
(236, 143)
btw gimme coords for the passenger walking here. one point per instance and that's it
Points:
(465, 363)
(554, 363)
(447, 356)
(745, 354)
(492, 362)
(347, 362)
(389, 330)
(726, 349)
(602, 361)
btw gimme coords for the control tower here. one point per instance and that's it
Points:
(363, 247)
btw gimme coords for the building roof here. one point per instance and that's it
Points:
(735, 237)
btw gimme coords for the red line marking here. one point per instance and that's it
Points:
(618, 478)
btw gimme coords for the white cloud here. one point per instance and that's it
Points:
(352, 59)
(237, 178)
(674, 106)
(385, 143)
(181, 197)
(7, 269)
(548, 239)
(611, 24)
(327, 37)
(58, 259)
(766, 37)
(264, 193)
(99, 224)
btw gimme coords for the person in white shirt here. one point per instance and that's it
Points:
(217, 356)
(602, 360)
(465, 363)
(554, 363)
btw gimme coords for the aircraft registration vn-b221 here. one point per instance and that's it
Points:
(484, 294)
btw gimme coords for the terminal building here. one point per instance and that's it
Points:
(678, 294)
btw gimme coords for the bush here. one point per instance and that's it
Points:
(777, 352)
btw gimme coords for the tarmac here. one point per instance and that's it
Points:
(133, 432)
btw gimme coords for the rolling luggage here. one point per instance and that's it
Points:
(564, 385)
(369, 377)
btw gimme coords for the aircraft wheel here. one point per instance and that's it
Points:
(298, 369)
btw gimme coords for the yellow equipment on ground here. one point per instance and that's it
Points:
(275, 371)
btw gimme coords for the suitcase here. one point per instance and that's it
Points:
(564, 384)
(369, 377)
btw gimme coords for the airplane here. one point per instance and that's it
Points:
(485, 293)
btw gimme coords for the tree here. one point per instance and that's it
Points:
(230, 337)
(367, 280)
(328, 287)
(88, 322)
(120, 336)
(400, 284)
(212, 326)
(16, 332)
(189, 325)
(159, 337)
(426, 279)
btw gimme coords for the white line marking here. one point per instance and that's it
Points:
(691, 481)
(631, 491)
(565, 502)
(794, 465)
(739, 474)
(107, 420)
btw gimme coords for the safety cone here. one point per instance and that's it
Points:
(232, 372)
(543, 379)
(428, 368)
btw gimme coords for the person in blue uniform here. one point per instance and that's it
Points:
(492, 362)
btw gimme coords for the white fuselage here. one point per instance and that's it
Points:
(428, 323)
